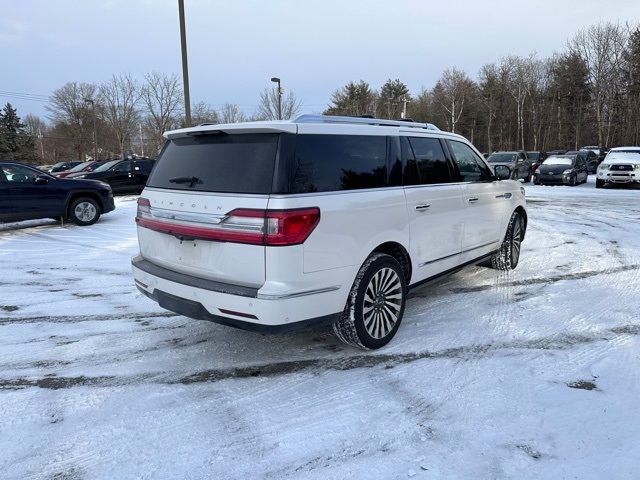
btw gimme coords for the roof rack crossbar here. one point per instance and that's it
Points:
(362, 121)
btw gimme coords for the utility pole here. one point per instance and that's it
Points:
(141, 142)
(277, 80)
(404, 108)
(185, 68)
(95, 134)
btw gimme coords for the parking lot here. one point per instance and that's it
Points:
(529, 374)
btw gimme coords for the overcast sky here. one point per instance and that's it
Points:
(315, 46)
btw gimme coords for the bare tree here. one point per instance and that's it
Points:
(451, 93)
(119, 97)
(602, 47)
(162, 97)
(203, 113)
(230, 113)
(268, 105)
(68, 106)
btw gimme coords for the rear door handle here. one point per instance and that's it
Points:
(422, 207)
(472, 199)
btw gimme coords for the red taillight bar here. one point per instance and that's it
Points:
(278, 227)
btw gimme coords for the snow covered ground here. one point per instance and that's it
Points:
(529, 374)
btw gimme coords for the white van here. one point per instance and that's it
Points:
(272, 226)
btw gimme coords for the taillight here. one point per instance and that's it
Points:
(243, 225)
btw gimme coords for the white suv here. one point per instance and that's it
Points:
(272, 226)
(621, 165)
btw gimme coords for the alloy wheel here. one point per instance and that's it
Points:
(382, 303)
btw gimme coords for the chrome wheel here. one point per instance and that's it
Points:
(382, 303)
(516, 241)
(85, 211)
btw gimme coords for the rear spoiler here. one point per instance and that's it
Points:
(247, 127)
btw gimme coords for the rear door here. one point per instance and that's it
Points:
(485, 205)
(197, 182)
(434, 206)
(120, 177)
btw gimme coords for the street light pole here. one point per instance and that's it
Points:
(185, 69)
(95, 134)
(277, 80)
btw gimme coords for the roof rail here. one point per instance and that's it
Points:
(362, 121)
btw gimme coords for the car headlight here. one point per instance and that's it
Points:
(81, 176)
(636, 166)
(603, 167)
(567, 171)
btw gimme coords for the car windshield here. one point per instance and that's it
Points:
(558, 161)
(78, 168)
(533, 155)
(106, 166)
(502, 158)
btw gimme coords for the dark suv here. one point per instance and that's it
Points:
(27, 193)
(124, 176)
(518, 162)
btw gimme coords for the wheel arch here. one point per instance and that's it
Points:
(397, 251)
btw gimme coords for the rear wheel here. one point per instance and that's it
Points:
(508, 256)
(375, 305)
(84, 211)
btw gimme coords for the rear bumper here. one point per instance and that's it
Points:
(235, 305)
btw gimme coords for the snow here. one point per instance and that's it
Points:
(533, 373)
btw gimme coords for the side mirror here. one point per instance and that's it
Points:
(41, 180)
(502, 172)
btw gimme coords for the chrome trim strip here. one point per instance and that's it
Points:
(460, 253)
(205, 218)
(262, 296)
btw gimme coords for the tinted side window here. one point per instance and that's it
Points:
(410, 174)
(18, 174)
(431, 163)
(326, 163)
(471, 167)
(123, 167)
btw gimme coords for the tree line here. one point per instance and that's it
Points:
(589, 93)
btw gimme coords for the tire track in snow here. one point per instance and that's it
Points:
(554, 342)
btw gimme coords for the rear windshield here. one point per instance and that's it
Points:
(236, 163)
(502, 158)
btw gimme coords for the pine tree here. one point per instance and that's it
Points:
(15, 143)
(393, 94)
(353, 99)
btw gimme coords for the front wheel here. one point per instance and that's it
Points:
(508, 256)
(84, 211)
(375, 305)
(528, 178)
(599, 183)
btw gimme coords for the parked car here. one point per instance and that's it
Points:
(555, 152)
(124, 176)
(536, 159)
(518, 162)
(338, 219)
(621, 165)
(80, 168)
(590, 157)
(63, 166)
(28, 193)
(563, 170)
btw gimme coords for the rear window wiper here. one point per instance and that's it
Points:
(190, 180)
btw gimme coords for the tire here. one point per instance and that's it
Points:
(508, 256)
(372, 315)
(537, 182)
(573, 182)
(599, 183)
(84, 211)
(528, 179)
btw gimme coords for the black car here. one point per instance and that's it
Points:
(63, 166)
(124, 176)
(518, 162)
(562, 170)
(27, 193)
(590, 156)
